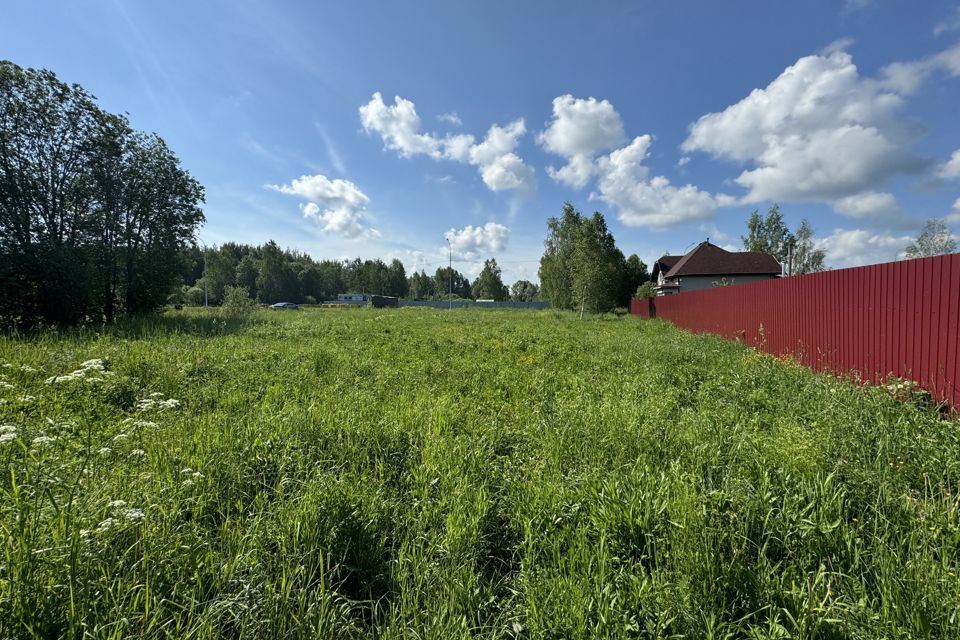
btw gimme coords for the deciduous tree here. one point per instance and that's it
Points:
(934, 240)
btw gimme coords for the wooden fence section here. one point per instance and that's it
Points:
(897, 318)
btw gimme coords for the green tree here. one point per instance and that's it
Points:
(443, 278)
(276, 282)
(934, 240)
(804, 256)
(581, 266)
(489, 284)
(797, 252)
(396, 279)
(420, 286)
(524, 291)
(598, 267)
(94, 216)
(237, 303)
(635, 274)
(220, 272)
(768, 234)
(246, 274)
(556, 274)
(646, 290)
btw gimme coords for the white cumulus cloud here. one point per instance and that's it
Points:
(624, 182)
(580, 128)
(398, 125)
(471, 242)
(820, 131)
(954, 216)
(880, 207)
(856, 247)
(337, 205)
(951, 169)
(450, 118)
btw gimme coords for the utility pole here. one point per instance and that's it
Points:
(450, 297)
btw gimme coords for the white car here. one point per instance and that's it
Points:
(285, 305)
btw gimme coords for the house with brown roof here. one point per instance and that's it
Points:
(707, 265)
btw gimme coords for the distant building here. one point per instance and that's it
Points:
(707, 265)
(353, 298)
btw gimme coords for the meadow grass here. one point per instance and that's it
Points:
(468, 473)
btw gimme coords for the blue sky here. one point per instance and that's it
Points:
(377, 129)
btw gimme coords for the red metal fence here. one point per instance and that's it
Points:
(898, 318)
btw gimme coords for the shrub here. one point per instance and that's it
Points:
(237, 303)
(646, 290)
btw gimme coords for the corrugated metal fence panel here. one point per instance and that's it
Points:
(640, 307)
(900, 318)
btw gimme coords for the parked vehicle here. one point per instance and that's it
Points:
(284, 305)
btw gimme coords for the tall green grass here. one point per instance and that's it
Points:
(466, 473)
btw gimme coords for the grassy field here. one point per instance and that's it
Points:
(474, 473)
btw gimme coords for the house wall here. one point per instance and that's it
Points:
(695, 283)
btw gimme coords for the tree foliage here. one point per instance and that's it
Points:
(769, 234)
(270, 273)
(582, 266)
(237, 303)
(489, 284)
(934, 240)
(524, 291)
(451, 283)
(94, 216)
(796, 251)
(646, 290)
(806, 257)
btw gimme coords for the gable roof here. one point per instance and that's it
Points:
(710, 260)
(664, 264)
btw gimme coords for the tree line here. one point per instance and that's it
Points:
(271, 274)
(94, 215)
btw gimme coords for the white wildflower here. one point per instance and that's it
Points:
(154, 402)
(41, 440)
(197, 474)
(138, 453)
(186, 470)
(156, 394)
(120, 437)
(116, 504)
(27, 368)
(188, 483)
(104, 451)
(26, 398)
(6, 385)
(134, 515)
(7, 437)
(96, 364)
(8, 428)
(105, 525)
